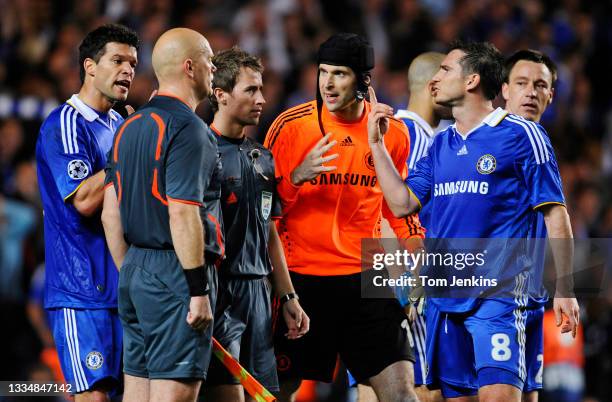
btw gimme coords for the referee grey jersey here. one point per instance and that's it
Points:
(166, 152)
(249, 202)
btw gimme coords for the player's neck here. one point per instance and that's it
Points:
(422, 107)
(227, 126)
(95, 99)
(352, 112)
(183, 93)
(468, 115)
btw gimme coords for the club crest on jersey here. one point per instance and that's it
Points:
(486, 164)
(369, 161)
(266, 204)
(94, 360)
(77, 169)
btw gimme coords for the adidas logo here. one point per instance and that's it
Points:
(347, 142)
(462, 151)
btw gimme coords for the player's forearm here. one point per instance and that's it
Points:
(187, 234)
(90, 195)
(288, 192)
(281, 281)
(396, 194)
(113, 229)
(562, 246)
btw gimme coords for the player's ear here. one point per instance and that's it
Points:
(220, 95)
(89, 65)
(505, 90)
(367, 80)
(472, 81)
(552, 95)
(188, 68)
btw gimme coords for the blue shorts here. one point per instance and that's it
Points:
(488, 345)
(89, 345)
(418, 328)
(534, 352)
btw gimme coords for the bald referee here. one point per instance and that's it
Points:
(161, 218)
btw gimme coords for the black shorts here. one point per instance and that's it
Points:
(368, 334)
(243, 326)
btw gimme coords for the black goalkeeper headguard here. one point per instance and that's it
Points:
(350, 50)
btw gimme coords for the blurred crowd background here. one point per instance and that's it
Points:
(38, 71)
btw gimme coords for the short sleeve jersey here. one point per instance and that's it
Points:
(164, 152)
(488, 184)
(71, 147)
(249, 203)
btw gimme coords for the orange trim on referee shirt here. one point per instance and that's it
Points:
(119, 189)
(218, 230)
(215, 130)
(155, 190)
(161, 128)
(118, 138)
(199, 204)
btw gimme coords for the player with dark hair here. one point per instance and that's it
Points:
(528, 88)
(327, 211)
(250, 205)
(488, 176)
(94, 45)
(529, 83)
(162, 219)
(421, 117)
(81, 279)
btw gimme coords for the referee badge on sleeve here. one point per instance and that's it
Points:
(77, 169)
(266, 204)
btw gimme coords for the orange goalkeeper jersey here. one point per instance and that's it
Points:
(324, 220)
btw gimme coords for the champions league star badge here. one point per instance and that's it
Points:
(266, 204)
(486, 164)
(94, 360)
(77, 169)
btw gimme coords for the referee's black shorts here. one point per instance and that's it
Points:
(367, 333)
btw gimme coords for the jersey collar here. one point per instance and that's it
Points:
(88, 113)
(495, 117)
(407, 114)
(491, 120)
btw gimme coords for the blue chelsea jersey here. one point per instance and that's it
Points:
(488, 184)
(421, 138)
(72, 146)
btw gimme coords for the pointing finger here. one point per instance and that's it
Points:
(372, 94)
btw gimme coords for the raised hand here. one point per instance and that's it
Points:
(312, 165)
(378, 119)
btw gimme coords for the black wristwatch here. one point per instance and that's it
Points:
(284, 299)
